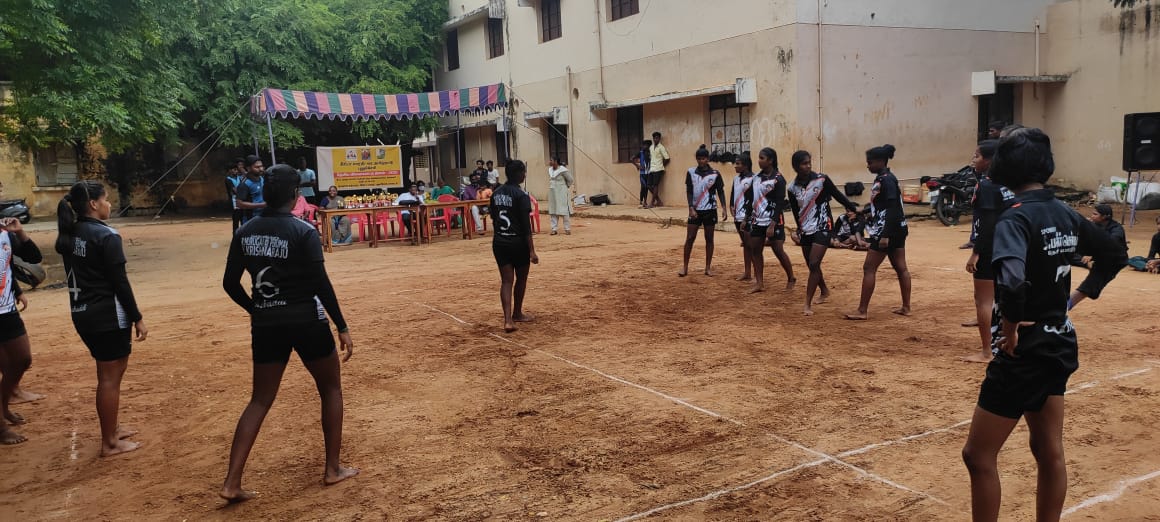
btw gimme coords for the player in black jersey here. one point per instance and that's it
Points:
(15, 352)
(990, 200)
(809, 198)
(511, 208)
(101, 300)
(887, 230)
(1035, 342)
(290, 298)
(701, 183)
(764, 205)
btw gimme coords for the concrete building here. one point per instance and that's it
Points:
(833, 77)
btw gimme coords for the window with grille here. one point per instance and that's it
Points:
(728, 125)
(495, 37)
(624, 8)
(550, 26)
(629, 132)
(452, 49)
(557, 136)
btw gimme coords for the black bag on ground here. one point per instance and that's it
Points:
(600, 199)
(854, 188)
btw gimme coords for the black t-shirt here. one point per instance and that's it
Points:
(100, 297)
(283, 255)
(511, 209)
(990, 200)
(1044, 233)
(1155, 248)
(887, 219)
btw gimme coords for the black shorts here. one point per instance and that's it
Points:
(654, 178)
(705, 218)
(821, 237)
(1095, 282)
(895, 244)
(1047, 358)
(984, 270)
(109, 345)
(273, 344)
(516, 256)
(760, 231)
(11, 327)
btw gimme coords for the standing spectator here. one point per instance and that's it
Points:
(641, 160)
(492, 175)
(307, 181)
(234, 177)
(658, 159)
(559, 203)
(995, 129)
(250, 189)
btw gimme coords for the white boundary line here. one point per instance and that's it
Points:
(823, 457)
(1114, 494)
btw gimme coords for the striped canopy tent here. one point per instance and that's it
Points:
(329, 105)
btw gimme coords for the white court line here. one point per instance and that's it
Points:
(72, 452)
(1114, 494)
(720, 492)
(823, 456)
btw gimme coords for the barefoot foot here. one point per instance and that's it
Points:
(790, 284)
(683, 273)
(977, 358)
(233, 496)
(22, 396)
(971, 324)
(745, 277)
(708, 272)
(509, 327)
(822, 299)
(124, 432)
(857, 316)
(523, 318)
(122, 446)
(903, 311)
(757, 289)
(807, 312)
(339, 475)
(9, 437)
(14, 418)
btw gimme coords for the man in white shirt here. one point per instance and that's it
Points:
(659, 156)
(410, 198)
(492, 175)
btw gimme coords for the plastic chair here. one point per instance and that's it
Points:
(312, 216)
(535, 217)
(444, 215)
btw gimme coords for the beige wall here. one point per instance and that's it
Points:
(1114, 61)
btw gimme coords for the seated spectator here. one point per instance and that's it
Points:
(411, 198)
(341, 233)
(850, 232)
(444, 190)
(422, 189)
(1154, 250)
(303, 210)
(1152, 262)
(492, 175)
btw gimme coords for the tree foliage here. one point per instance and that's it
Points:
(133, 71)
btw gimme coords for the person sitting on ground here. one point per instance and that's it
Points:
(411, 198)
(342, 234)
(1150, 263)
(850, 231)
(1095, 282)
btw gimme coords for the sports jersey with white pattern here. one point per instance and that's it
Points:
(887, 217)
(738, 196)
(10, 246)
(767, 196)
(811, 203)
(100, 297)
(700, 185)
(283, 255)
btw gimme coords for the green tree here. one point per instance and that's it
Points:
(83, 68)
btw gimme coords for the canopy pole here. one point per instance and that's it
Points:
(270, 128)
(458, 147)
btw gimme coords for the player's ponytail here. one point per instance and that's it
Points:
(73, 206)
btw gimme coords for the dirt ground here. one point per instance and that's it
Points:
(635, 393)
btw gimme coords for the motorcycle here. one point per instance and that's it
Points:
(15, 208)
(955, 192)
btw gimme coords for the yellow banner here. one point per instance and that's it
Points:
(357, 168)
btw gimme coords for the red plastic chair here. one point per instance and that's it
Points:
(535, 217)
(312, 216)
(445, 215)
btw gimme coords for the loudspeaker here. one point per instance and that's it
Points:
(1142, 141)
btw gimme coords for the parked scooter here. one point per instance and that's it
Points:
(15, 208)
(955, 192)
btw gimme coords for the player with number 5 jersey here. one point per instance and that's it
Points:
(511, 208)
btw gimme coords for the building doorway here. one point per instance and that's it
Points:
(996, 107)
